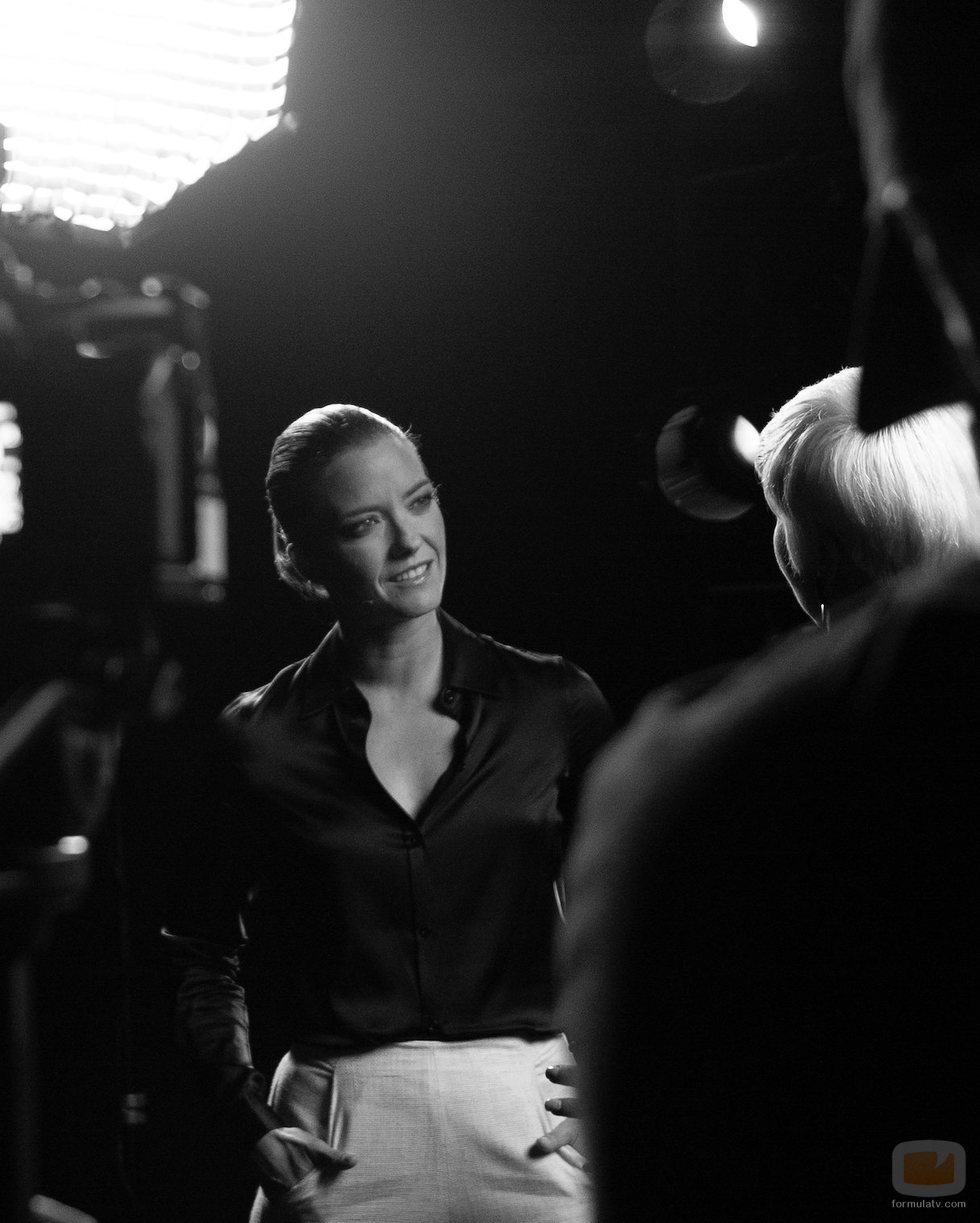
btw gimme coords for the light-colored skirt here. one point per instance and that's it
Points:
(441, 1131)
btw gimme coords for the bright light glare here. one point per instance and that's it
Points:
(745, 439)
(741, 22)
(73, 846)
(111, 105)
(11, 505)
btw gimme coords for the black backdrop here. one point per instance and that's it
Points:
(491, 224)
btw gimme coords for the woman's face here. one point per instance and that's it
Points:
(379, 538)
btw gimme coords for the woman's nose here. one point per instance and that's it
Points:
(405, 537)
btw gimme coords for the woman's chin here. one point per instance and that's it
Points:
(405, 607)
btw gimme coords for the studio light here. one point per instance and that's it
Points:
(741, 22)
(703, 51)
(705, 463)
(11, 502)
(111, 106)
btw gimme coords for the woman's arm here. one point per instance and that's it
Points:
(212, 1026)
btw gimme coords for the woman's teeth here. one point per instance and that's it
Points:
(411, 575)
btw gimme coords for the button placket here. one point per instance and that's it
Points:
(420, 928)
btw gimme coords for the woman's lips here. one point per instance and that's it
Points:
(416, 573)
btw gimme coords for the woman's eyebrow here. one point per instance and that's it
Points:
(367, 509)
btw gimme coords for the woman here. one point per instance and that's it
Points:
(853, 508)
(399, 806)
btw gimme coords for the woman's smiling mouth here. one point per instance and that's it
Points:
(416, 574)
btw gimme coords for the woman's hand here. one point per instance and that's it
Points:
(285, 1156)
(568, 1133)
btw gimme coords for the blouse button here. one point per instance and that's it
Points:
(412, 839)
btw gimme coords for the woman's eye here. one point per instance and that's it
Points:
(354, 530)
(423, 502)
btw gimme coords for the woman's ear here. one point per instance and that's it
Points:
(825, 590)
(838, 576)
(804, 560)
(299, 562)
(304, 571)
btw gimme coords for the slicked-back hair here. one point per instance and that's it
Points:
(890, 499)
(298, 455)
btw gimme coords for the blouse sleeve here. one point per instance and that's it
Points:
(205, 939)
(590, 724)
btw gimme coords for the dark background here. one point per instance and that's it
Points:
(491, 224)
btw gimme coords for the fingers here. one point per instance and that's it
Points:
(322, 1153)
(565, 1075)
(567, 1135)
(562, 1135)
(326, 1156)
(331, 1157)
(564, 1106)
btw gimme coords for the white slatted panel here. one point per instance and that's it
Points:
(111, 105)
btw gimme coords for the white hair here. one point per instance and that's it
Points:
(890, 499)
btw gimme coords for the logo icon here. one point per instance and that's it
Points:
(927, 1168)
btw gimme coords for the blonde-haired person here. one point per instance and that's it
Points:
(787, 860)
(853, 508)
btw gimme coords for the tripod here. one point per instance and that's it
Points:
(38, 881)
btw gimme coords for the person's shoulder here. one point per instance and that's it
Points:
(950, 587)
(548, 683)
(925, 656)
(274, 695)
(492, 647)
(514, 660)
(297, 690)
(680, 728)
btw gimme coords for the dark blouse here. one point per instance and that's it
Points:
(371, 926)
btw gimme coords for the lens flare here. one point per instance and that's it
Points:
(741, 22)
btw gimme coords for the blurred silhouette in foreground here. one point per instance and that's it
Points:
(769, 962)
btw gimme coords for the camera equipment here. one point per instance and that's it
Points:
(110, 508)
